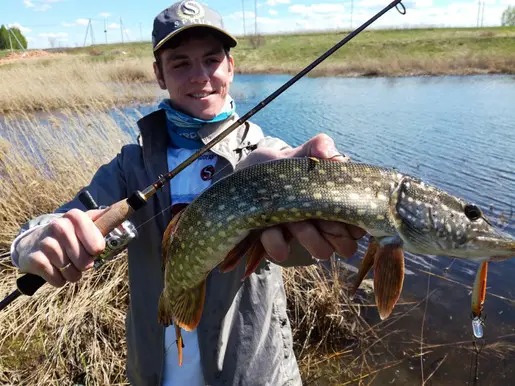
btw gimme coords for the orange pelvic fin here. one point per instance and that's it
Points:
(180, 343)
(168, 236)
(388, 277)
(254, 257)
(187, 307)
(366, 264)
(479, 289)
(238, 252)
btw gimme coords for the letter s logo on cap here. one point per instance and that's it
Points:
(191, 9)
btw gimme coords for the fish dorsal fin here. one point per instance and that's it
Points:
(187, 307)
(235, 255)
(168, 235)
(388, 276)
(366, 264)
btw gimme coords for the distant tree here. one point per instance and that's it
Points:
(4, 38)
(16, 36)
(508, 17)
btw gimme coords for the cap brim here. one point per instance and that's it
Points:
(230, 39)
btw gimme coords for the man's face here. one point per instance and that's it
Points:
(197, 75)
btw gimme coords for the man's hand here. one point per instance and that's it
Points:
(61, 250)
(320, 237)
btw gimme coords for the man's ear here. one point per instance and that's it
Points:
(230, 63)
(159, 77)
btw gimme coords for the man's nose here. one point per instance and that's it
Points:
(199, 73)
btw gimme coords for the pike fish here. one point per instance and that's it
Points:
(400, 212)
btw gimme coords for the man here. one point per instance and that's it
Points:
(244, 336)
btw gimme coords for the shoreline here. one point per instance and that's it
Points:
(114, 74)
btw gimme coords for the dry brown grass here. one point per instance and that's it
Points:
(75, 81)
(327, 327)
(395, 66)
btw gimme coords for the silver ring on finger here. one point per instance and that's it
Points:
(62, 269)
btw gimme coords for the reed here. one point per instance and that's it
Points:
(72, 82)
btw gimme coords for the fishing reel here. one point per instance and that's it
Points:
(116, 240)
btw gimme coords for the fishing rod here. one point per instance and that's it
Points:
(113, 222)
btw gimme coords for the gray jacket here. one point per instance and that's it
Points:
(244, 334)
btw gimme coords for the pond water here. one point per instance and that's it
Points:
(457, 133)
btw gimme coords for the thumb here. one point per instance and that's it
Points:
(320, 146)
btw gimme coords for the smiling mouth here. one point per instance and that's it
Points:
(200, 95)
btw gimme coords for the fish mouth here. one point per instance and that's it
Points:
(497, 247)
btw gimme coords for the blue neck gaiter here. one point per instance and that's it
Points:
(183, 128)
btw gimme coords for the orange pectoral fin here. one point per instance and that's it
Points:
(388, 277)
(366, 264)
(168, 235)
(238, 252)
(479, 289)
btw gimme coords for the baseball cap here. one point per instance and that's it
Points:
(184, 15)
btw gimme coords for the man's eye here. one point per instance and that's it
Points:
(179, 64)
(213, 60)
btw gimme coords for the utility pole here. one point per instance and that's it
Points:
(140, 32)
(351, 12)
(121, 28)
(87, 31)
(10, 40)
(105, 28)
(243, 13)
(9, 32)
(93, 42)
(482, 14)
(255, 18)
(478, 12)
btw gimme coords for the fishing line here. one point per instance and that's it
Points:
(475, 356)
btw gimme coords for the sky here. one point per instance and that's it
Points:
(72, 23)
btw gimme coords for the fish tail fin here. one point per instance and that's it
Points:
(187, 307)
(164, 311)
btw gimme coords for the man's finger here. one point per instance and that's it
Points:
(343, 237)
(310, 238)
(275, 244)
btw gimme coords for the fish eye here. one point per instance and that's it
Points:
(472, 212)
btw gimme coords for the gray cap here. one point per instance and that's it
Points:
(184, 15)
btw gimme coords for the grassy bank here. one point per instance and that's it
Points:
(106, 75)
